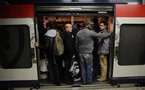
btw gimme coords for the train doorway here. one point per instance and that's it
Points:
(76, 15)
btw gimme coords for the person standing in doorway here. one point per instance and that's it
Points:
(53, 62)
(103, 51)
(69, 51)
(85, 45)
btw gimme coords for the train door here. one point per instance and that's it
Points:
(129, 60)
(18, 62)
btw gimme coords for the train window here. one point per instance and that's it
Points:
(15, 51)
(134, 1)
(132, 44)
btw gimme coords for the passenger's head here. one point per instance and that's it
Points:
(45, 21)
(68, 27)
(103, 25)
(89, 24)
(50, 25)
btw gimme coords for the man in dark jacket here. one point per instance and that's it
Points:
(53, 61)
(69, 51)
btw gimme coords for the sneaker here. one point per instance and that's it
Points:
(101, 80)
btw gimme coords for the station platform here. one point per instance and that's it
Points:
(95, 86)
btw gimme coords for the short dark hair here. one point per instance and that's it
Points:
(51, 25)
(104, 22)
(86, 22)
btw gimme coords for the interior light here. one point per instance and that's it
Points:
(77, 8)
(102, 12)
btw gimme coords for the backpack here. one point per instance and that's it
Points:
(58, 45)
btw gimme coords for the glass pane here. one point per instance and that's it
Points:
(15, 46)
(132, 44)
(134, 1)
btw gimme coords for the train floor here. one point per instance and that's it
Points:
(95, 86)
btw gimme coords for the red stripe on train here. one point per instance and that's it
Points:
(17, 11)
(131, 10)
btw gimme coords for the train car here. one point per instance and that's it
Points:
(19, 59)
(128, 61)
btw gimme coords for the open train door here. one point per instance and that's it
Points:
(18, 62)
(129, 56)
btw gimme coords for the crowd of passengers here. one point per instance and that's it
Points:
(82, 44)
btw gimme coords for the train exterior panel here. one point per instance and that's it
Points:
(128, 63)
(18, 53)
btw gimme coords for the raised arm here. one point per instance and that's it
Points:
(102, 35)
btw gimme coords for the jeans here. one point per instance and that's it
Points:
(86, 62)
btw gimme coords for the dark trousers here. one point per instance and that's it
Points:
(68, 76)
(53, 69)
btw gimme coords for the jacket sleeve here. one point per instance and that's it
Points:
(102, 35)
(46, 43)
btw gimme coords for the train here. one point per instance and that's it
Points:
(19, 58)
